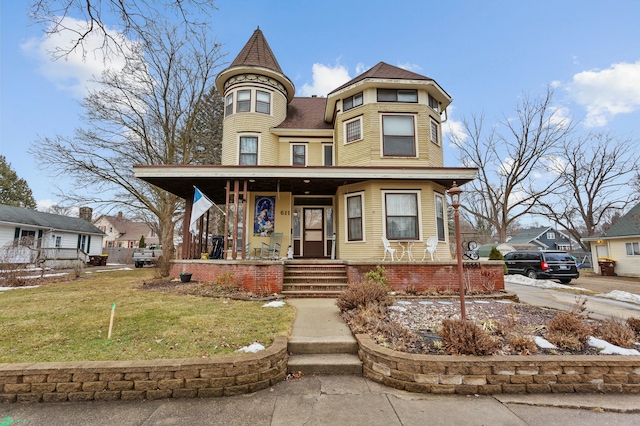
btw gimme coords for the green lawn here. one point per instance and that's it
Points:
(69, 321)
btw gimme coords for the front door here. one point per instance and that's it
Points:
(313, 232)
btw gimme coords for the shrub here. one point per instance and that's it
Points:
(374, 290)
(634, 323)
(495, 254)
(567, 330)
(462, 337)
(615, 331)
(521, 343)
(372, 320)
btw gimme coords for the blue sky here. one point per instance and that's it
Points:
(484, 54)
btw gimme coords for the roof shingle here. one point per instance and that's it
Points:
(384, 70)
(306, 113)
(257, 53)
(38, 219)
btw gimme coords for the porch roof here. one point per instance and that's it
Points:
(320, 180)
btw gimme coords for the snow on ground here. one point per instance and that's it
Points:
(607, 348)
(622, 296)
(252, 348)
(274, 304)
(14, 288)
(522, 280)
(543, 343)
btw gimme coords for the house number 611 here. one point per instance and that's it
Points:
(285, 212)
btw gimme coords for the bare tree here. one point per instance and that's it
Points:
(144, 114)
(113, 20)
(508, 157)
(594, 172)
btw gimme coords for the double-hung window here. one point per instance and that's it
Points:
(354, 218)
(353, 130)
(633, 249)
(244, 101)
(248, 151)
(352, 102)
(440, 216)
(401, 215)
(433, 103)
(327, 155)
(299, 155)
(228, 107)
(434, 132)
(397, 95)
(398, 136)
(263, 102)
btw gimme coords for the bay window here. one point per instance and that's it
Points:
(401, 216)
(398, 136)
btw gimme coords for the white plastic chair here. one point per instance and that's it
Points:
(388, 249)
(432, 245)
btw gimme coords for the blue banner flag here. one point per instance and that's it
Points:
(200, 206)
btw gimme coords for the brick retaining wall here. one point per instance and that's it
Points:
(139, 380)
(442, 374)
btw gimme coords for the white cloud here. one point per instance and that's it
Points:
(410, 67)
(454, 131)
(607, 93)
(560, 116)
(360, 68)
(325, 79)
(73, 73)
(45, 205)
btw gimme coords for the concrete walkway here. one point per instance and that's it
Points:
(338, 400)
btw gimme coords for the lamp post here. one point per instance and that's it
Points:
(454, 193)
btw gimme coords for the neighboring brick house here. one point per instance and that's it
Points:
(362, 164)
(124, 233)
(621, 243)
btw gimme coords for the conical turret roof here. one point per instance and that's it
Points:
(257, 53)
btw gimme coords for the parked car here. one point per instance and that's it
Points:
(547, 264)
(146, 256)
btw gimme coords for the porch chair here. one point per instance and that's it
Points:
(388, 249)
(432, 245)
(272, 250)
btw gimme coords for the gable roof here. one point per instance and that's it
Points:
(128, 229)
(384, 70)
(527, 235)
(305, 113)
(628, 225)
(257, 53)
(16, 216)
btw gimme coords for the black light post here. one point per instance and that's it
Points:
(455, 192)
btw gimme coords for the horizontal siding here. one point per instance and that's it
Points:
(628, 266)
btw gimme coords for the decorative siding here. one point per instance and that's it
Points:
(314, 150)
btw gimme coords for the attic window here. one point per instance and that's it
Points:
(244, 101)
(397, 95)
(263, 102)
(352, 102)
(433, 103)
(228, 108)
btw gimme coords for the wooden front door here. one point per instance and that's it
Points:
(313, 232)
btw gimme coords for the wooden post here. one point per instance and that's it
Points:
(226, 221)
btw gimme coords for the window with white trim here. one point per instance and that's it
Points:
(551, 235)
(327, 155)
(228, 108)
(401, 215)
(440, 216)
(352, 102)
(248, 151)
(633, 249)
(434, 133)
(397, 95)
(58, 241)
(398, 136)
(433, 103)
(353, 130)
(299, 154)
(354, 217)
(263, 102)
(244, 101)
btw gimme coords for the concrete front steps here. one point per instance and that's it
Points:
(320, 342)
(314, 278)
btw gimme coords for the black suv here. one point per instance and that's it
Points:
(548, 264)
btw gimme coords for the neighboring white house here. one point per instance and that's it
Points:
(620, 243)
(125, 233)
(29, 236)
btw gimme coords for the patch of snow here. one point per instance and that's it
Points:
(404, 302)
(252, 348)
(116, 269)
(482, 302)
(622, 296)
(425, 303)
(609, 349)
(445, 303)
(60, 274)
(522, 280)
(15, 288)
(397, 308)
(506, 302)
(274, 304)
(543, 343)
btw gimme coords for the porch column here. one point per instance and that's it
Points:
(244, 221)
(226, 221)
(186, 235)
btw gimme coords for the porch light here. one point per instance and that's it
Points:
(306, 181)
(454, 193)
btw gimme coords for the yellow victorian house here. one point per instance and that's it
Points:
(357, 176)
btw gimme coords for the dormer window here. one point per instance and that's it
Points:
(397, 95)
(244, 101)
(352, 102)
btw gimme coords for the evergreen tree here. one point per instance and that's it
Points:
(14, 191)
